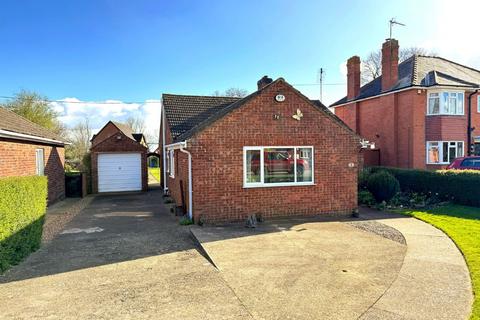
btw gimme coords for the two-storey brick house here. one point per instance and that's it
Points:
(417, 113)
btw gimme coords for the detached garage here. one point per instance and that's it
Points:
(119, 159)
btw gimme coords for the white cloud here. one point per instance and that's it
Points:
(452, 31)
(73, 111)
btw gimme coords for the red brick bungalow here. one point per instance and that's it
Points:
(421, 113)
(119, 159)
(236, 156)
(28, 149)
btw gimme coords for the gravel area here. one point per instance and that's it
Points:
(379, 229)
(60, 214)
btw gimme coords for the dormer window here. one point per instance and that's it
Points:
(445, 103)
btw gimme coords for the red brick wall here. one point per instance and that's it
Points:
(106, 132)
(218, 193)
(402, 142)
(17, 158)
(123, 145)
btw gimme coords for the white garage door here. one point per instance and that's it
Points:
(119, 172)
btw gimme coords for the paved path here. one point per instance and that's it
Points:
(433, 283)
(123, 257)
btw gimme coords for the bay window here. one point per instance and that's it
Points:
(445, 103)
(443, 152)
(277, 166)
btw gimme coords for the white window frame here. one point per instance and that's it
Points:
(440, 151)
(39, 162)
(262, 184)
(442, 106)
(478, 103)
(171, 172)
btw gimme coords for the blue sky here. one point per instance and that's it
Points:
(101, 50)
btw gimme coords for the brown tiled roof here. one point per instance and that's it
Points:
(126, 130)
(187, 115)
(185, 112)
(10, 121)
(424, 71)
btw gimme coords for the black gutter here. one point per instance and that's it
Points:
(469, 125)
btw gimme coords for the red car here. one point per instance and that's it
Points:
(279, 162)
(465, 163)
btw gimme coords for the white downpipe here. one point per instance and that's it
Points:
(165, 187)
(190, 192)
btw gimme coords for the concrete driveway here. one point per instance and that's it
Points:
(126, 257)
(304, 268)
(123, 257)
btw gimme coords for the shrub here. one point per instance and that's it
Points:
(457, 186)
(23, 202)
(366, 198)
(186, 221)
(363, 178)
(383, 185)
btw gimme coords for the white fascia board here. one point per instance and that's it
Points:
(27, 137)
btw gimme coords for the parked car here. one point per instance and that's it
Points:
(279, 162)
(465, 163)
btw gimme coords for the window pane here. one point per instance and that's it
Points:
(460, 103)
(434, 104)
(451, 154)
(40, 165)
(279, 165)
(253, 166)
(446, 107)
(460, 149)
(453, 104)
(304, 164)
(433, 153)
(445, 152)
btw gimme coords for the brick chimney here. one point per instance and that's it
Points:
(353, 77)
(389, 64)
(263, 82)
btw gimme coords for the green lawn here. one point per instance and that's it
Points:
(155, 172)
(462, 225)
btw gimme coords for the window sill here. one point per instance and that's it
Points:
(445, 114)
(274, 185)
(438, 164)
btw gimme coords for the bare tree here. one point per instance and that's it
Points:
(231, 92)
(79, 137)
(137, 124)
(372, 65)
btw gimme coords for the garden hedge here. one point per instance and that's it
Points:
(23, 202)
(458, 186)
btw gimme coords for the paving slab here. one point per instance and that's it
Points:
(303, 270)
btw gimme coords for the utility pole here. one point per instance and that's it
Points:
(392, 23)
(320, 82)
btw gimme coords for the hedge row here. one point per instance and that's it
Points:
(462, 187)
(23, 202)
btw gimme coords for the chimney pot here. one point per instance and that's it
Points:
(353, 77)
(265, 80)
(389, 64)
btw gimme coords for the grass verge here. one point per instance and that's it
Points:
(462, 225)
(155, 173)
